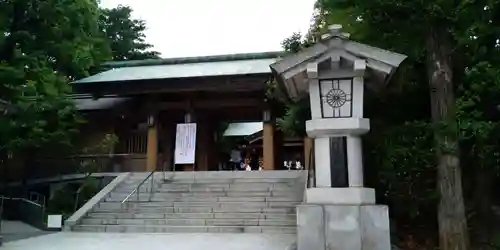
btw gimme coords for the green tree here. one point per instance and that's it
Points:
(44, 45)
(292, 121)
(126, 34)
(452, 47)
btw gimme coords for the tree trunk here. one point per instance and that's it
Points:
(452, 223)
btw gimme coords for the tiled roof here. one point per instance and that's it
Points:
(197, 59)
(188, 67)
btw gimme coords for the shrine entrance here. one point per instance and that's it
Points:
(152, 97)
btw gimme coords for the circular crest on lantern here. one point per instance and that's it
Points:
(336, 98)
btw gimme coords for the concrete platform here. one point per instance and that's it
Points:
(107, 241)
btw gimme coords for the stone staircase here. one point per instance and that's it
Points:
(198, 202)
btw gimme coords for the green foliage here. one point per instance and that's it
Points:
(63, 200)
(293, 44)
(400, 156)
(126, 35)
(292, 123)
(296, 42)
(400, 165)
(86, 191)
(105, 146)
(45, 44)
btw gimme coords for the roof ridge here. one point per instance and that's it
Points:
(195, 59)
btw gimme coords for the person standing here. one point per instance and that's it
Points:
(254, 160)
(235, 159)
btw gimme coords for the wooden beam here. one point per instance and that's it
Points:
(208, 84)
(213, 104)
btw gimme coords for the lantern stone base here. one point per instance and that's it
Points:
(328, 127)
(343, 227)
(341, 196)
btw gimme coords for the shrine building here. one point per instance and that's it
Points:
(143, 101)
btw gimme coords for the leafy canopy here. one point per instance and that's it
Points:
(44, 45)
(125, 34)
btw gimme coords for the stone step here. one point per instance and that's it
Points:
(166, 204)
(201, 202)
(160, 183)
(235, 215)
(277, 174)
(168, 198)
(184, 229)
(212, 181)
(190, 222)
(218, 194)
(164, 210)
(198, 188)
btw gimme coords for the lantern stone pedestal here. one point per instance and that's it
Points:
(339, 227)
(338, 213)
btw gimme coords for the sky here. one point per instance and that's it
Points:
(181, 28)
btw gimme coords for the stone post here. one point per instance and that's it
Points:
(339, 213)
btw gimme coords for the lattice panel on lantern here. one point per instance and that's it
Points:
(336, 98)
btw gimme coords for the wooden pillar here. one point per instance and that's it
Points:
(152, 147)
(268, 146)
(308, 144)
(268, 141)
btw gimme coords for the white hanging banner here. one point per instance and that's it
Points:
(185, 143)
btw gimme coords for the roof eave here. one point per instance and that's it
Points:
(200, 59)
(387, 61)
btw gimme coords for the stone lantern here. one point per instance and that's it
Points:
(338, 213)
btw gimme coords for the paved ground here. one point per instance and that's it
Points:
(16, 230)
(108, 241)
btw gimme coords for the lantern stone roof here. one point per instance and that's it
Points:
(185, 67)
(291, 74)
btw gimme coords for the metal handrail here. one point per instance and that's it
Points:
(19, 199)
(28, 201)
(39, 198)
(137, 189)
